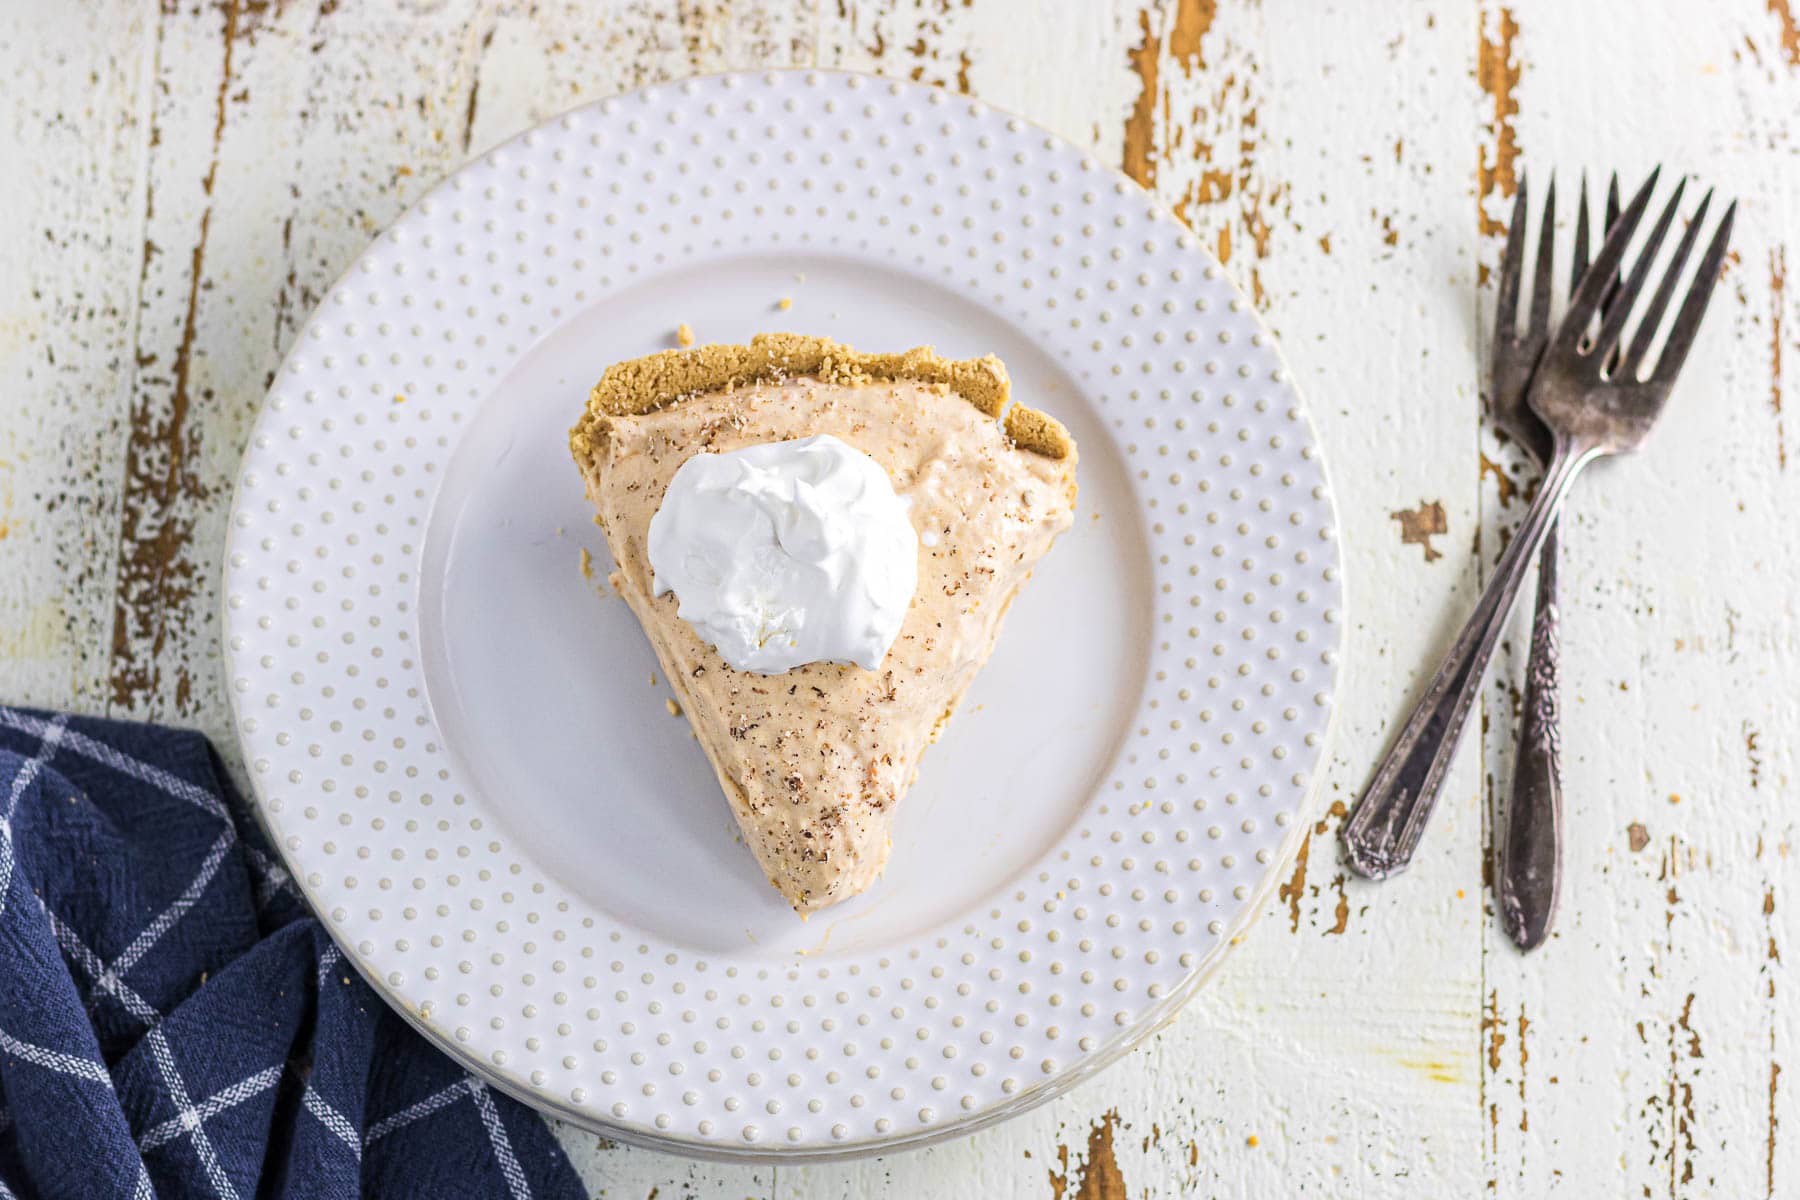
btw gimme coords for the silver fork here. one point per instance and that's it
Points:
(1529, 878)
(1593, 409)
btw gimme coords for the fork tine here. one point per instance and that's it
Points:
(1586, 300)
(1541, 273)
(1580, 264)
(1665, 291)
(1687, 320)
(1612, 218)
(1506, 307)
(1614, 326)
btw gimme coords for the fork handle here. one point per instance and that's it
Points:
(1381, 835)
(1530, 874)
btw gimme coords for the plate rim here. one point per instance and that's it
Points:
(1148, 1021)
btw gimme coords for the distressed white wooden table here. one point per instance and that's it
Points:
(180, 184)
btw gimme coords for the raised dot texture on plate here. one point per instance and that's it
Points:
(605, 1013)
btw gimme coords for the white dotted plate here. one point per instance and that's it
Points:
(456, 738)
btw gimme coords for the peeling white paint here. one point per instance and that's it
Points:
(1380, 1041)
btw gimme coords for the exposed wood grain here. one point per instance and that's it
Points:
(1197, 119)
(156, 565)
(1095, 1176)
(1497, 69)
(1140, 157)
(73, 114)
(1419, 525)
(1790, 30)
(1777, 298)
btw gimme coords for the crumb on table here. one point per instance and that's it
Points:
(684, 334)
(674, 708)
(587, 564)
(785, 303)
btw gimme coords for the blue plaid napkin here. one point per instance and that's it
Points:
(173, 1021)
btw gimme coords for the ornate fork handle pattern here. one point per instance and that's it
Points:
(1529, 877)
(1390, 818)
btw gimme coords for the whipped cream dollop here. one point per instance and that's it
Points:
(787, 553)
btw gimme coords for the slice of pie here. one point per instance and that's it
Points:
(815, 760)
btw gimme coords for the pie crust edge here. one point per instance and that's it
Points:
(643, 385)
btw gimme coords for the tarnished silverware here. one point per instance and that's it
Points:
(1594, 406)
(1529, 875)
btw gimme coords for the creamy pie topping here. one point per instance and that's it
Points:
(814, 760)
(787, 553)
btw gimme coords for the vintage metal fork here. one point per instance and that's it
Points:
(1593, 409)
(1529, 876)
